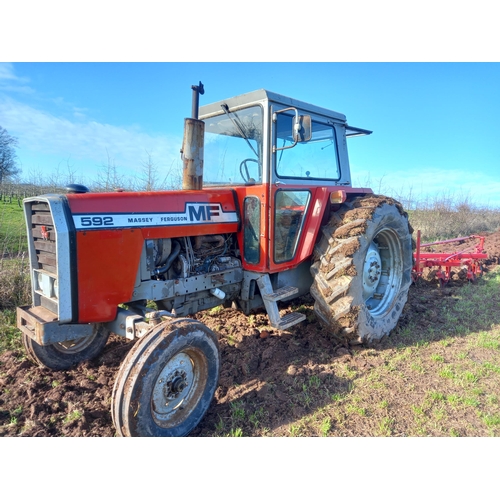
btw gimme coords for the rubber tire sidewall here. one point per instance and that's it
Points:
(47, 356)
(372, 328)
(339, 263)
(140, 421)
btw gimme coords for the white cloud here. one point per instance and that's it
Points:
(43, 133)
(10, 82)
(7, 72)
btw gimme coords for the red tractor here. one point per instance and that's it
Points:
(266, 214)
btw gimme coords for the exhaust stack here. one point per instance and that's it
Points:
(192, 145)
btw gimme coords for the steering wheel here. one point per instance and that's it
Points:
(244, 170)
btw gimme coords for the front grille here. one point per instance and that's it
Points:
(44, 237)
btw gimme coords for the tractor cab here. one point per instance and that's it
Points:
(283, 158)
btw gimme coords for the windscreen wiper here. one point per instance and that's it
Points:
(239, 126)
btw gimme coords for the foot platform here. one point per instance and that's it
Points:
(271, 297)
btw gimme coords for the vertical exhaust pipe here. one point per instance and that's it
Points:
(192, 145)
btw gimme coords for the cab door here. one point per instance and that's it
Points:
(304, 168)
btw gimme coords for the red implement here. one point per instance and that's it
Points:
(469, 258)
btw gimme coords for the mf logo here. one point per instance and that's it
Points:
(203, 211)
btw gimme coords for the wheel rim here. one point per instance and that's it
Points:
(74, 346)
(382, 272)
(179, 387)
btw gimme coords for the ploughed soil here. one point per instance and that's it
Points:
(257, 364)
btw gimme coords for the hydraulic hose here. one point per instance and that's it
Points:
(174, 254)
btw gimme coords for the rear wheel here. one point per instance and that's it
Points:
(167, 381)
(64, 355)
(362, 269)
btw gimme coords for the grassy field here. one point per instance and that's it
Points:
(14, 272)
(12, 229)
(437, 375)
(437, 380)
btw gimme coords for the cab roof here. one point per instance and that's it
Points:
(263, 96)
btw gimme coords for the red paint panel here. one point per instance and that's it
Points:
(319, 203)
(107, 267)
(312, 224)
(315, 212)
(143, 202)
(259, 191)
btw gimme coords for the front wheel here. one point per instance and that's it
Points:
(167, 381)
(64, 355)
(362, 269)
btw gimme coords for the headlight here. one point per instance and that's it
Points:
(45, 284)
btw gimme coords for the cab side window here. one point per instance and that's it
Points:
(290, 210)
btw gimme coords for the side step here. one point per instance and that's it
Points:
(289, 320)
(271, 297)
(281, 293)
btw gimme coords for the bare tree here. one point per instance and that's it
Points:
(8, 157)
(149, 177)
(173, 179)
(154, 177)
(58, 179)
(109, 179)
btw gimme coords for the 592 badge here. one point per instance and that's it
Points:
(96, 221)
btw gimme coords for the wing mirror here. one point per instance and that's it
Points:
(301, 128)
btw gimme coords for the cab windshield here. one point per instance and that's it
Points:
(233, 148)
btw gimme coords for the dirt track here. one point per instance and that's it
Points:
(258, 365)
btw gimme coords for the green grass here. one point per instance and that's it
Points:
(325, 427)
(12, 229)
(14, 283)
(74, 415)
(256, 417)
(385, 426)
(436, 396)
(486, 341)
(10, 337)
(295, 430)
(437, 357)
(237, 411)
(215, 311)
(14, 272)
(491, 420)
(432, 383)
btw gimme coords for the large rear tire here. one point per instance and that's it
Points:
(362, 269)
(167, 381)
(64, 355)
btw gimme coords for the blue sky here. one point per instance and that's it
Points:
(436, 126)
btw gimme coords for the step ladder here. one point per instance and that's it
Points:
(271, 297)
